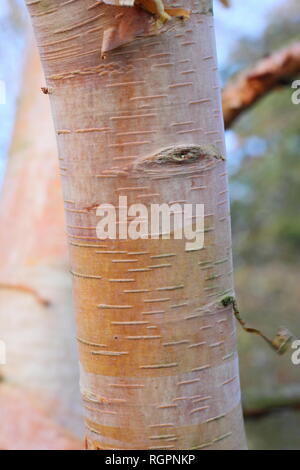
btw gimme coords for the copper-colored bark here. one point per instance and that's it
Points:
(250, 86)
(26, 426)
(159, 367)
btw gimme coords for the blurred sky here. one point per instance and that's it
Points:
(12, 43)
(244, 19)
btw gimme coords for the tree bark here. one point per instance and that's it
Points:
(35, 291)
(269, 73)
(26, 426)
(159, 368)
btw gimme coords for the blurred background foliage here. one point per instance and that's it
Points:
(264, 163)
(265, 194)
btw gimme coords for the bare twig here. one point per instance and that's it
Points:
(281, 341)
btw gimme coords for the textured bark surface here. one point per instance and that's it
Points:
(159, 368)
(36, 320)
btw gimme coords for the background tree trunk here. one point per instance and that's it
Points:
(159, 368)
(36, 320)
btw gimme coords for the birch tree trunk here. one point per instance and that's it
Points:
(35, 291)
(159, 368)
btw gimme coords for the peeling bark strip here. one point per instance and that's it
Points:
(28, 290)
(159, 368)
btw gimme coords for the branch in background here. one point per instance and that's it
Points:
(247, 88)
(256, 404)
